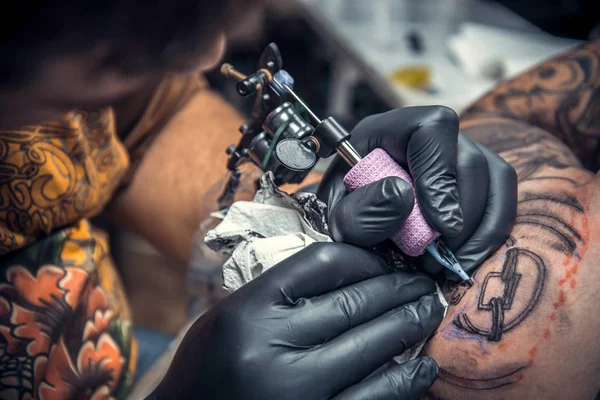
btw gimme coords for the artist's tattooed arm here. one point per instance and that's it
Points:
(561, 97)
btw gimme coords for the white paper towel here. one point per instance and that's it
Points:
(259, 234)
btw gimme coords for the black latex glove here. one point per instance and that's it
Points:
(466, 192)
(313, 327)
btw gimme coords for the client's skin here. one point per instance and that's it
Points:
(529, 327)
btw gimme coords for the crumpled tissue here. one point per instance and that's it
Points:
(258, 235)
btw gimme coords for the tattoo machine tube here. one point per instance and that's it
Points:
(415, 236)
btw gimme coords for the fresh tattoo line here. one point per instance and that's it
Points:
(524, 276)
(492, 383)
(498, 292)
(567, 236)
(562, 198)
(535, 211)
(499, 288)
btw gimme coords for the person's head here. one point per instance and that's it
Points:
(58, 55)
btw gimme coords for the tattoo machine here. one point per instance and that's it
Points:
(278, 138)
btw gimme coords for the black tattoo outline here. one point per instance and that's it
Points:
(563, 198)
(552, 178)
(458, 291)
(498, 305)
(497, 382)
(566, 234)
(538, 214)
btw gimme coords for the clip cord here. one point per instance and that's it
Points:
(297, 98)
(273, 144)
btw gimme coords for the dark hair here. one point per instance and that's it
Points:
(143, 33)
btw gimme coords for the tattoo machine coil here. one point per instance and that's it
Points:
(278, 138)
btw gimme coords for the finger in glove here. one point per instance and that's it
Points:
(323, 318)
(372, 213)
(362, 347)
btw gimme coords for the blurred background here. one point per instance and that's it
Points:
(351, 59)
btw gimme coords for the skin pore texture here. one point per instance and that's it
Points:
(529, 326)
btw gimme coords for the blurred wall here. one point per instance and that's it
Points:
(575, 19)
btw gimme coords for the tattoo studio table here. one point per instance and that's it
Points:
(372, 39)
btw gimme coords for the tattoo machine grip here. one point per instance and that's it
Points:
(414, 236)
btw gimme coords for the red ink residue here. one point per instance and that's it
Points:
(573, 284)
(553, 316)
(546, 333)
(520, 377)
(502, 346)
(533, 352)
(562, 298)
(574, 269)
(566, 278)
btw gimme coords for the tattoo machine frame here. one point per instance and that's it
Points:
(278, 138)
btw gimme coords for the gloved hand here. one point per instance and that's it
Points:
(313, 327)
(466, 192)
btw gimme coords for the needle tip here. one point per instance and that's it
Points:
(470, 282)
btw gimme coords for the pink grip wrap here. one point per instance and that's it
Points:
(414, 236)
